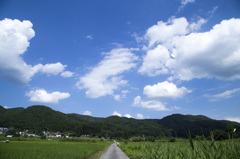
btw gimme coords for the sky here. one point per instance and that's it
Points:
(142, 59)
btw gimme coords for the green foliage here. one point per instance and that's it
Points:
(197, 137)
(137, 139)
(220, 135)
(190, 149)
(172, 140)
(151, 139)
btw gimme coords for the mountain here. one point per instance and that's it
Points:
(38, 118)
(197, 124)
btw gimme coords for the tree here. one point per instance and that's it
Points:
(220, 135)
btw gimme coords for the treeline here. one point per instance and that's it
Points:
(36, 119)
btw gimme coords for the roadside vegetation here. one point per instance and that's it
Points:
(198, 148)
(29, 148)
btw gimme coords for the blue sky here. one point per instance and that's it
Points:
(138, 58)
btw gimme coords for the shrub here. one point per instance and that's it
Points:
(137, 139)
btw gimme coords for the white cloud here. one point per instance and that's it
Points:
(117, 97)
(53, 68)
(115, 113)
(14, 41)
(67, 74)
(6, 107)
(196, 25)
(90, 37)
(42, 96)
(163, 31)
(123, 94)
(87, 113)
(150, 104)
(154, 61)
(128, 116)
(165, 90)
(140, 116)
(184, 3)
(226, 94)
(211, 54)
(175, 108)
(106, 77)
(236, 119)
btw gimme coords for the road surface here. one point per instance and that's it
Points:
(114, 152)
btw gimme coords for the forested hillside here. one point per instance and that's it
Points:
(39, 118)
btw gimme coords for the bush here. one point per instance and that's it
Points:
(152, 139)
(137, 139)
(199, 137)
(220, 135)
(172, 140)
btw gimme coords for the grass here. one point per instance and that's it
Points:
(49, 149)
(189, 149)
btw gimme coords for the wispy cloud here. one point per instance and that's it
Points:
(107, 76)
(149, 104)
(90, 37)
(184, 3)
(236, 119)
(210, 13)
(224, 95)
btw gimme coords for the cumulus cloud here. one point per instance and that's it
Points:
(53, 68)
(236, 119)
(154, 62)
(115, 113)
(163, 31)
(128, 116)
(224, 95)
(50, 69)
(67, 74)
(165, 90)
(14, 41)
(149, 104)
(211, 54)
(42, 96)
(140, 116)
(107, 76)
(87, 113)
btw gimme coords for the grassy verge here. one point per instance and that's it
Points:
(98, 154)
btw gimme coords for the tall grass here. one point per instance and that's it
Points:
(48, 149)
(191, 149)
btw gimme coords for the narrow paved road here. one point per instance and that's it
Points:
(114, 152)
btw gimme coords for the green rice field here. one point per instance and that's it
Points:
(45, 149)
